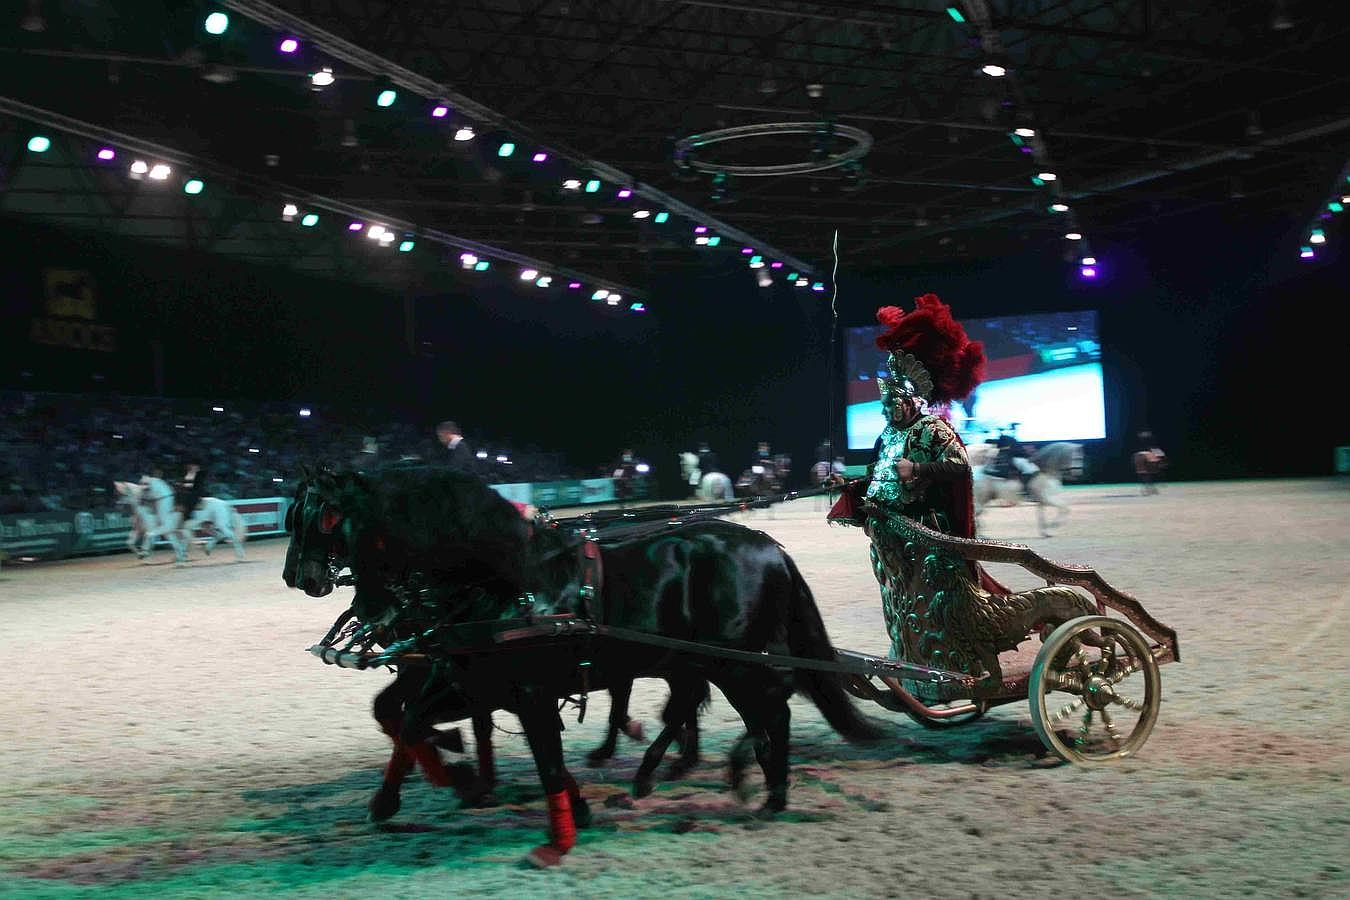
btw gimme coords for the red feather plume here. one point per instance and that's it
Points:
(932, 336)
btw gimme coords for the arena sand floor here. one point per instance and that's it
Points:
(166, 735)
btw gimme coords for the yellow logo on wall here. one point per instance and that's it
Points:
(72, 310)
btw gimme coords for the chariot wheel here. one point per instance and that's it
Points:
(1095, 690)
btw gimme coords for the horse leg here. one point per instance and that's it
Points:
(762, 703)
(543, 732)
(688, 734)
(388, 710)
(479, 793)
(619, 694)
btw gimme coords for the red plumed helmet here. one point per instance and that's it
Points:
(930, 335)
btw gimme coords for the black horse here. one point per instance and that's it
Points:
(711, 582)
(317, 552)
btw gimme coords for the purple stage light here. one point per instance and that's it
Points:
(107, 153)
(541, 157)
(775, 265)
(288, 45)
(574, 286)
(1088, 272)
(440, 111)
(355, 226)
(747, 250)
(625, 194)
(700, 229)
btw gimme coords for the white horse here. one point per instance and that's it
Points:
(1046, 485)
(153, 518)
(710, 486)
(224, 521)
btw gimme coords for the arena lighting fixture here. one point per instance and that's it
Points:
(288, 45)
(464, 133)
(502, 459)
(387, 238)
(746, 251)
(544, 281)
(701, 240)
(310, 220)
(276, 479)
(355, 226)
(374, 232)
(775, 265)
(506, 149)
(304, 412)
(801, 282)
(440, 111)
(1024, 132)
(792, 276)
(1088, 272)
(642, 213)
(1047, 176)
(253, 450)
(600, 294)
(1059, 207)
(624, 193)
(764, 279)
(216, 23)
(662, 218)
(756, 259)
(406, 246)
(642, 468)
(637, 307)
(571, 184)
(1089, 260)
(482, 265)
(468, 260)
(1335, 206)
(160, 172)
(386, 98)
(288, 212)
(1346, 199)
(574, 285)
(956, 15)
(321, 79)
(107, 154)
(39, 143)
(757, 265)
(1306, 253)
(592, 186)
(217, 409)
(193, 186)
(540, 157)
(1317, 237)
(481, 454)
(818, 287)
(994, 71)
(1073, 236)
(700, 229)
(529, 274)
(614, 299)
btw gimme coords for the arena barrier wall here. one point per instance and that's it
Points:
(559, 493)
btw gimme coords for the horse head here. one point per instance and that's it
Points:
(317, 525)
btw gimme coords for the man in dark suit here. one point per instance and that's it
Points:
(458, 456)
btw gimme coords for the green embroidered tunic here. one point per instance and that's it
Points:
(927, 496)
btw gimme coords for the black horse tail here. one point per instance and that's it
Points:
(806, 637)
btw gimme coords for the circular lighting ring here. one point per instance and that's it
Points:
(685, 148)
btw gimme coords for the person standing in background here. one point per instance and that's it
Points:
(458, 456)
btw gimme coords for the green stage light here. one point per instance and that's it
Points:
(386, 97)
(193, 186)
(482, 265)
(1037, 180)
(216, 23)
(1335, 207)
(955, 14)
(506, 149)
(662, 218)
(39, 143)
(592, 186)
(310, 220)
(714, 241)
(406, 246)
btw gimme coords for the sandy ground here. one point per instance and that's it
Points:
(166, 735)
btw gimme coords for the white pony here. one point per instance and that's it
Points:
(154, 517)
(1046, 486)
(710, 486)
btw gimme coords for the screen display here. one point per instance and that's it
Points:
(1043, 381)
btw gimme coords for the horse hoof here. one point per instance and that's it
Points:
(384, 804)
(771, 808)
(597, 758)
(642, 786)
(544, 856)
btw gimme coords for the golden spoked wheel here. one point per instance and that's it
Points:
(1095, 690)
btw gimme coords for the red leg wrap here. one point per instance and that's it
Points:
(400, 761)
(562, 831)
(430, 761)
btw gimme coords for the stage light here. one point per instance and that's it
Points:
(600, 294)
(276, 479)
(464, 133)
(545, 281)
(1047, 176)
(701, 240)
(756, 259)
(107, 153)
(506, 149)
(1024, 132)
(355, 226)
(39, 143)
(540, 157)
(802, 282)
(481, 454)
(1346, 199)
(700, 229)
(304, 412)
(1335, 207)
(662, 218)
(310, 220)
(193, 186)
(1088, 272)
(440, 111)
(1306, 253)
(217, 409)
(138, 169)
(571, 184)
(288, 45)
(482, 265)
(625, 193)
(792, 276)
(1317, 237)
(288, 212)
(216, 23)
(1073, 236)
(592, 186)
(574, 286)
(746, 251)
(775, 265)
(638, 307)
(1089, 260)
(160, 172)
(994, 71)
(818, 287)
(529, 274)
(614, 299)
(1059, 207)
(764, 280)
(468, 260)
(374, 232)
(714, 240)
(406, 246)
(254, 450)
(386, 98)
(321, 79)
(387, 238)
(642, 213)
(956, 14)
(757, 265)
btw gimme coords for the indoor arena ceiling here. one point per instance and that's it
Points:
(1141, 110)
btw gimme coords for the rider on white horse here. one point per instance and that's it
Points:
(162, 519)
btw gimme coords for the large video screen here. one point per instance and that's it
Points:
(1043, 381)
